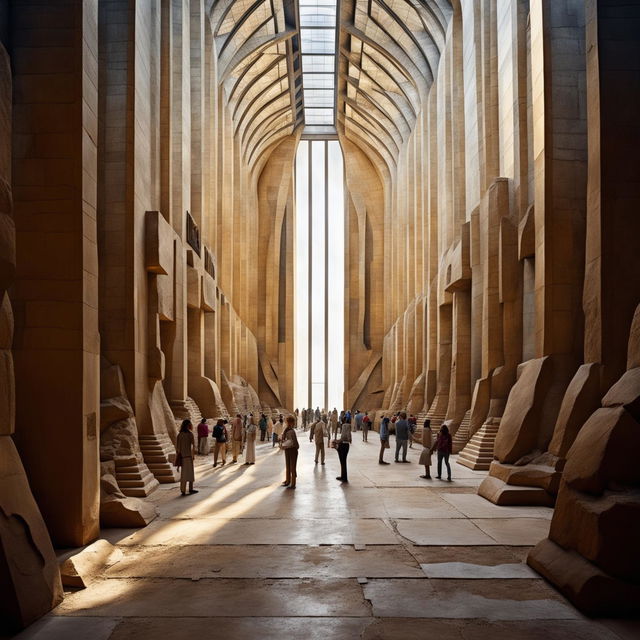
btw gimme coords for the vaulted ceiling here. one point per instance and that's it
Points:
(381, 64)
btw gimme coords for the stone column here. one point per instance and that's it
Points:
(28, 566)
(57, 345)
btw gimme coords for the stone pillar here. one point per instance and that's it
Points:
(28, 566)
(57, 344)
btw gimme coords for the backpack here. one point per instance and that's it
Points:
(218, 433)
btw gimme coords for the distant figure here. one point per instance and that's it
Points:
(203, 437)
(359, 417)
(185, 450)
(290, 445)
(366, 425)
(384, 438)
(250, 434)
(343, 451)
(413, 423)
(403, 435)
(425, 455)
(317, 435)
(236, 437)
(443, 447)
(262, 424)
(304, 419)
(317, 414)
(278, 429)
(220, 437)
(333, 423)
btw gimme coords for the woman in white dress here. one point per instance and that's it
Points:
(250, 441)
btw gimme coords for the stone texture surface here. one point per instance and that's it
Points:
(81, 569)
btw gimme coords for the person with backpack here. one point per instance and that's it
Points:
(220, 437)
(413, 424)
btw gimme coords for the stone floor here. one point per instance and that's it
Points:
(388, 555)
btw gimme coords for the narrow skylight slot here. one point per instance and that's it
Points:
(318, 49)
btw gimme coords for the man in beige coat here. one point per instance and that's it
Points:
(318, 433)
(236, 437)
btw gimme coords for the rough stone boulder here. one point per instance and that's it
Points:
(116, 510)
(83, 568)
(518, 433)
(29, 577)
(625, 393)
(600, 457)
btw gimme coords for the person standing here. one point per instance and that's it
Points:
(220, 437)
(263, 426)
(203, 437)
(237, 429)
(317, 435)
(425, 455)
(413, 423)
(366, 424)
(278, 429)
(358, 418)
(403, 434)
(185, 451)
(290, 445)
(343, 451)
(443, 447)
(250, 434)
(384, 438)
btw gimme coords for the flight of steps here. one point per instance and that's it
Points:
(420, 418)
(134, 478)
(478, 453)
(437, 413)
(461, 437)
(195, 415)
(159, 453)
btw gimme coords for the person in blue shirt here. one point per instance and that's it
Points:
(384, 438)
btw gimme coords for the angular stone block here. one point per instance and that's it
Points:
(159, 238)
(29, 577)
(518, 433)
(625, 393)
(633, 351)
(600, 457)
(208, 293)
(589, 588)
(84, 567)
(111, 381)
(499, 492)
(580, 400)
(7, 250)
(126, 512)
(194, 288)
(604, 530)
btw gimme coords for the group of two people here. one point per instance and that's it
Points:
(404, 434)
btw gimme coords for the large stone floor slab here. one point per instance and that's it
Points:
(515, 531)
(474, 506)
(265, 562)
(422, 599)
(468, 571)
(212, 598)
(434, 531)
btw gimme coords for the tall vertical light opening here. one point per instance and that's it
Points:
(319, 275)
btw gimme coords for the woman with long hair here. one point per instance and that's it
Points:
(185, 451)
(443, 447)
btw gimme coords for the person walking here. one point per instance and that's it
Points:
(443, 447)
(333, 423)
(384, 438)
(262, 424)
(403, 435)
(220, 437)
(290, 446)
(366, 424)
(317, 435)
(358, 418)
(237, 429)
(185, 451)
(343, 451)
(425, 455)
(203, 437)
(250, 434)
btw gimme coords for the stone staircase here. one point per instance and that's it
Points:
(478, 453)
(159, 453)
(134, 478)
(461, 437)
(195, 415)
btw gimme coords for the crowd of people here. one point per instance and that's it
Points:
(239, 436)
